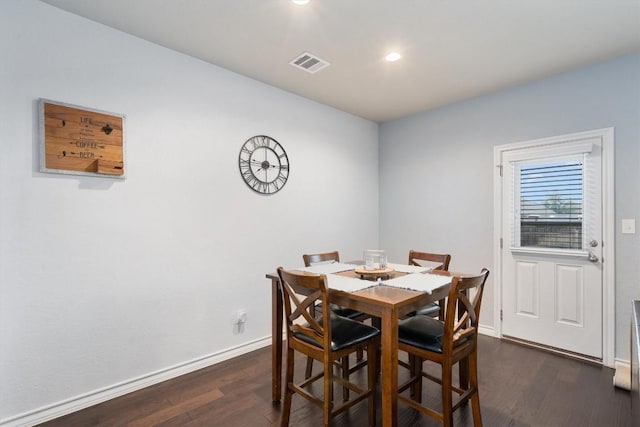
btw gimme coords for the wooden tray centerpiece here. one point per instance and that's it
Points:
(379, 272)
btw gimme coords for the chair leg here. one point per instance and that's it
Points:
(372, 373)
(288, 393)
(309, 368)
(463, 369)
(327, 404)
(475, 397)
(442, 305)
(359, 355)
(345, 375)
(414, 374)
(411, 362)
(447, 403)
(416, 388)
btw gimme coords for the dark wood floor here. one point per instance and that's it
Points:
(519, 386)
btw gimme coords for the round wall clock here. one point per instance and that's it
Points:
(264, 164)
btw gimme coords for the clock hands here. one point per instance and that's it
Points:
(264, 164)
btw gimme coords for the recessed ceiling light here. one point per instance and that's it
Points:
(393, 56)
(301, 2)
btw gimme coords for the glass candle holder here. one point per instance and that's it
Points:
(374, 259)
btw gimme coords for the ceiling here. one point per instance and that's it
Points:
(451, 49)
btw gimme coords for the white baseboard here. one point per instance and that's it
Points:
(86, 400)
(487, 330)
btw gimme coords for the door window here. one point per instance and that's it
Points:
(549, 198)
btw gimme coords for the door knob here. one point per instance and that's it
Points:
(593, 243)
(592, 257)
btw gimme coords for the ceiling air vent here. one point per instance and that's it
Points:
(309, 63)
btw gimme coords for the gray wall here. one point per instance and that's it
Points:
(436, 169)
(107, 285)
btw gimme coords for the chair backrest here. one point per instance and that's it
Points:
(463, 310)
(310, 259)
(300, 292)
(442, 260)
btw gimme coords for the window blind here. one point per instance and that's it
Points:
(551, 204)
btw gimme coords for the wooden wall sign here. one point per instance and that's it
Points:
(80, 141)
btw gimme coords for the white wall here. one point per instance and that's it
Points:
(447, 156)
(103, 282)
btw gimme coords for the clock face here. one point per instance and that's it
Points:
(264, 164)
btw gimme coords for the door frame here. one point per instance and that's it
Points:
(608, 230)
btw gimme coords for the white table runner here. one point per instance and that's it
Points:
(419, 282)
(415, 280)
(327, 268)
(348, 284)
(404, 268)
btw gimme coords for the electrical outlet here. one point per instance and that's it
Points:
(239, 320)
(628, 226)
(241, 316)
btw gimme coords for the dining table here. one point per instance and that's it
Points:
(383, 299)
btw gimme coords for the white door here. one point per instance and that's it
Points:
(551, 254)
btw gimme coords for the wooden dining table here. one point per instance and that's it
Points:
(389, 304)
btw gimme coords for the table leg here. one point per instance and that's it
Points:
(389, 362)
(276, 340)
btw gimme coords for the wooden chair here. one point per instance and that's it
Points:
(334, 256)
(310, 259)
(427, 259)
(327, 338)
(446, 343)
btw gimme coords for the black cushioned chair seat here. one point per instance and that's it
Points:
(424, 332)
(429, 309)
(344, 333)
(349, 313)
